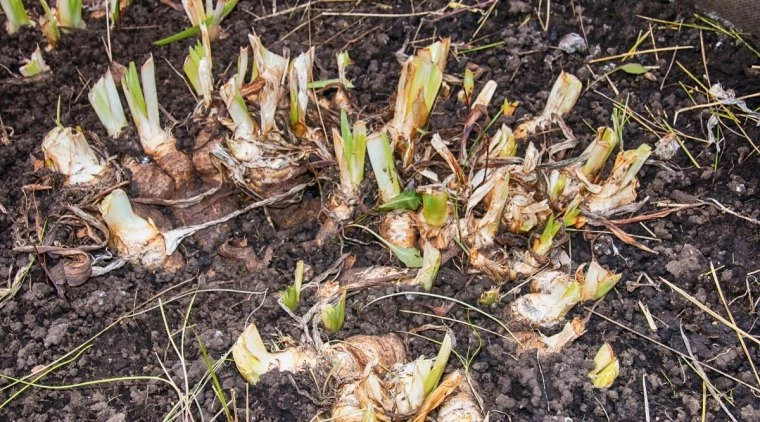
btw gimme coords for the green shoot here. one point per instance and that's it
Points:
(343, 61)
(192, 61)
(636, 159)
(488, 225)
(543, 245)
(143, 104)
(641, 38)
(324, 83)
(597, 282)
(406, 200)
(508, 108)
(434, 377)
(606, 367)
(299, 75)
(70, 14)
(601, 147)
(58, 113)
(198, 67)
(104, 98)
(34, 65)
(369, 414)
(233, 99)
(502, 144)
(408, 256)
(114, 8)
(619, 189)
(435, 206)
(133, 91)
(620, 118)
(468, 85)
(571, 216)
(489, 297)
(557, 182)
(291, 297)
(421, 78)
(50, 25)
(218, 390)
(216, 18)
(381, 158)
(358, 152)
(431, 262)
(333, 316)
(345, 132)
(242, 66)
(350, 151)
(16, 14)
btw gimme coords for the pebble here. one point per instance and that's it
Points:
(737, 185)
(573, 43)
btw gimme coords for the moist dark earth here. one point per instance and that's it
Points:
(38, 326)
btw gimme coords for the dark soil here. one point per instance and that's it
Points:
(37, 327)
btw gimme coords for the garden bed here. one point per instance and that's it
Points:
(221, 295)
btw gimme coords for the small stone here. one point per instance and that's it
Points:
(572, 43)
(737, 185)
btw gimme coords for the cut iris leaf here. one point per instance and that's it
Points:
(104, 98)
(381, 158)
(606, 367)
(406, 200)
(70, 14)
(421, 78)
(291, 297)
(410, 256)
(196, 28)
(34, 65)
(198, 67)
(16, 14)
(334, 316)
(435, 205)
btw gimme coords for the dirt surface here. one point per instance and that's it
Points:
(38, 326)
